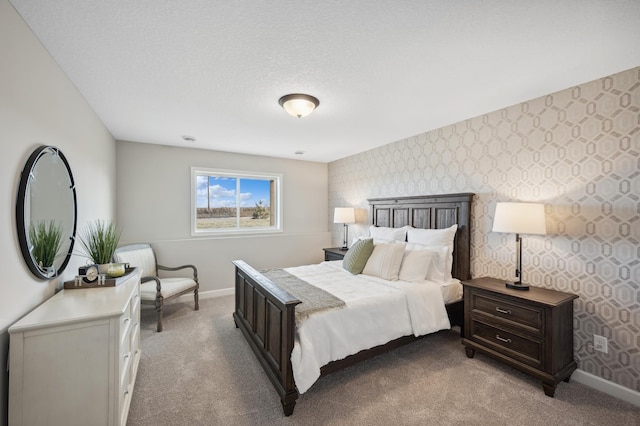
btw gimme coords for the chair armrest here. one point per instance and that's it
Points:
(177, 268)
(158, 285)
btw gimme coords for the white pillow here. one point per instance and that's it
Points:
(383, 233)
(436, 237)
(438, 266)
(385, 261)
(415, 265)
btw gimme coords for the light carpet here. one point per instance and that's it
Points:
(201, 371)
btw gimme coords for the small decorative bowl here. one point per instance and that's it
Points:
(115, 270)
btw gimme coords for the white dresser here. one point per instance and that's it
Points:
(73, 360)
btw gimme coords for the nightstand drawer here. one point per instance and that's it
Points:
(333, 256)
(525, 350)
(334, 253)
(529, 316)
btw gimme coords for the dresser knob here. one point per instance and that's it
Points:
(503, 311)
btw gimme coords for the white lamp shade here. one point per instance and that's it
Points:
(520, 218)
(344, 215)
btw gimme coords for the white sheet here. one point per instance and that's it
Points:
(376, 312)
(452, 292)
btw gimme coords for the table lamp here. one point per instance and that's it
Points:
(344, 215)
(519, 218)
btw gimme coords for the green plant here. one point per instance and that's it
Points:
(260, 211)
(100, 241)
(46, 242)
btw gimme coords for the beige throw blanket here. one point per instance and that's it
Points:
(313, 298)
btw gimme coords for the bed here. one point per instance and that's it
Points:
(266, 314)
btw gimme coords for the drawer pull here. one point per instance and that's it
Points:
(502, 339)
(503, 311)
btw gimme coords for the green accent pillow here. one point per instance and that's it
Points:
(357, 256)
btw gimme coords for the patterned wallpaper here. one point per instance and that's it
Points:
(578, 152)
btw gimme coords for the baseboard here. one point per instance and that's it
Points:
(605, 386)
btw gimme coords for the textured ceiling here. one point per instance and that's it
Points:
(155, 70)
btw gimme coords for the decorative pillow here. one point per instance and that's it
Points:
(357, 256)
(437, 267)
(384, 233)
(436, 237)
(415, 265)
(385, 261)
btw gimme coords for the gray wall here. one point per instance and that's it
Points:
(577, 151)
(39, 105)
(154, 205)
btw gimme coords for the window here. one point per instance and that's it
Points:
(227, 201)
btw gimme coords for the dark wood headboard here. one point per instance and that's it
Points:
(431, 212)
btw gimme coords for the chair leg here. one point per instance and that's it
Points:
(195, 296)
(159, 303)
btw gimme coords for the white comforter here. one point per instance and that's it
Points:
(376, 312)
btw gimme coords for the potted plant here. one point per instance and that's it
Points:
(100, 240)
(45, 242)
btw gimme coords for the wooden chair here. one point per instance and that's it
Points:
(153, 289)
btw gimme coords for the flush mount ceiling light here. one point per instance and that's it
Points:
(298, 104)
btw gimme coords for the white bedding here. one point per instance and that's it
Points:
(376, 312)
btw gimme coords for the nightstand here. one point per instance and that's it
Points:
(529, 330)
(334, 253)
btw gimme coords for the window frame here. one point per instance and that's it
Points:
(237, 174)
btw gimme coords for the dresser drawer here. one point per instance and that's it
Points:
(529, 316)
(126, 322)
(125, 360)
(527, 351)
(124, 394)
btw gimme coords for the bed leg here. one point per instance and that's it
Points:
(288, 407)
(289, 402)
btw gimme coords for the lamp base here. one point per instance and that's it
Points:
(517, 286)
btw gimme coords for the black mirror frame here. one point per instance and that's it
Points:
(20, 210)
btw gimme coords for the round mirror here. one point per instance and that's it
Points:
(46, 212)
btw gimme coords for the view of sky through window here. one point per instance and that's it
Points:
(221, 192)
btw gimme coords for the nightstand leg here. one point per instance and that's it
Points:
(470, 352)
(549, 390)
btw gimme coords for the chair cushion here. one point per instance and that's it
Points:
(170, 287)
(142, 258)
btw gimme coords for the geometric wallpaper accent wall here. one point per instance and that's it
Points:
(578, 152)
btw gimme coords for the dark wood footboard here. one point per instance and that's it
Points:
(266, 316)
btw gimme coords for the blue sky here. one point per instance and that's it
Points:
(222, 192)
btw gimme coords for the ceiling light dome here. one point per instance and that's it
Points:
(298, 104)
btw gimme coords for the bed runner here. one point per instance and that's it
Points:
(313, 299)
